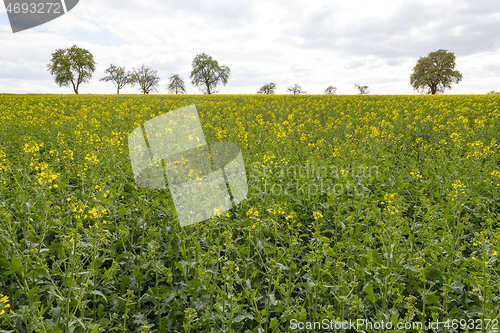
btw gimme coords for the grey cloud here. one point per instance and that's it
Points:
(25, 70)
(298, 69)
(221, 13)
(375, 81)
(252, 79)
(355, 64)
(237, 54)
(492, 68)
(101, 37)
(481, 8)
(393, 62)
(392, 38)
(249, 75)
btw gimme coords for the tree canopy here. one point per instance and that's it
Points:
(147, 79)
(72, 65)
(176, 85)
(207, 73)
(267, 89)
(118, 75)
(435, 73)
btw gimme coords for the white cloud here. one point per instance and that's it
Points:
(312, 43)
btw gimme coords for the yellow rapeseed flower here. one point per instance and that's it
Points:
(317, 215)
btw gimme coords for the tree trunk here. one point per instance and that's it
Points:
(208, 87)
(75, 88)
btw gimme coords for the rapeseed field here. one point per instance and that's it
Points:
(375, 208)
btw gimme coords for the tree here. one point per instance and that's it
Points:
(330, 90)
(207, 73)
(363, 90)
(436, 72)
(494, 92)
(72, 65)
(118, 75)
(295, 89)
(146, 78)
(267, 89)
(176, 85)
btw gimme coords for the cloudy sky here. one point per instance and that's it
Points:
(312, 43)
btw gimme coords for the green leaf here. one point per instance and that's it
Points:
(95, 329)
(394, 320)
(369, 292)
(97, 292)
(32, 291)
(13, 270)
(239, 318)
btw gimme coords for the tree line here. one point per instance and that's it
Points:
(73, 66)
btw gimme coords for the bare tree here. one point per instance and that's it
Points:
(330, 90)
(295, 89)
(176, 85)
(267, 89)
(118, 75)
(362, 90)
(146, 78)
